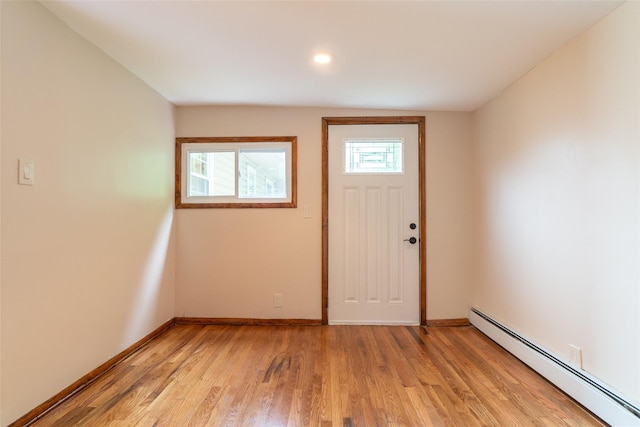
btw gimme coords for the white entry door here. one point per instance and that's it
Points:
(373, 222)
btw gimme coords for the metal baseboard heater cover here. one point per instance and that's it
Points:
(593, 394)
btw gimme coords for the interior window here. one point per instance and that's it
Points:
(236, 172)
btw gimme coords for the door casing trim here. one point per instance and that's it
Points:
(375, 120)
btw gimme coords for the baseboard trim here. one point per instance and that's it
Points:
(597, 397)
(246, 321)
(370, 323)
(40, 410)
(448, 322)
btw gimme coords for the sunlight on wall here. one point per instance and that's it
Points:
(140, 174)
(145, 301)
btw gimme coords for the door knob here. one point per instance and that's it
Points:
(411, 240)
(412, 226)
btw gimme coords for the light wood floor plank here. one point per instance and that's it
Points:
(206, 375)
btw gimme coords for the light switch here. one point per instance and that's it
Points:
(307, 211)
(26, 172)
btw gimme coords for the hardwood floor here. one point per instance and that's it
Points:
(197, 375)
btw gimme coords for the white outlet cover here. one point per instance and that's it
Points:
(277, 300)
(576, 356)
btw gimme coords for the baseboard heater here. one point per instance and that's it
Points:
(600, 399)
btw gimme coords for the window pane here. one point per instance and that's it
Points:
(212, 174)
(198, 186)
(243, 172)
(373, 156)
(199, 163)
(263, 173)
(223, 175)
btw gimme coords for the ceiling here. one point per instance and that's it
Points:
(420, 55)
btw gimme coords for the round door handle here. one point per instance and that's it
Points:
(411, 240)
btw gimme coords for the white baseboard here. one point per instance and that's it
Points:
(599, 398)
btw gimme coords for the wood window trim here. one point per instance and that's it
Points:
(293, 140)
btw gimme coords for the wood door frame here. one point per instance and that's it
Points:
(375, 120)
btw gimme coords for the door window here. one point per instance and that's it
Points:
(373, 156)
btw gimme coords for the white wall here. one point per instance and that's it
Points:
(230, 262)
(557, 178)
(449, 215)
(87, 253)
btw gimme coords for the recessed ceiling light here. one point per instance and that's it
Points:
(322, 58)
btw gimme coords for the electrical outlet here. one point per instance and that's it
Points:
(277, 300)
(576, 356)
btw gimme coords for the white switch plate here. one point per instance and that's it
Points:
(26, 172)
(307, 211)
